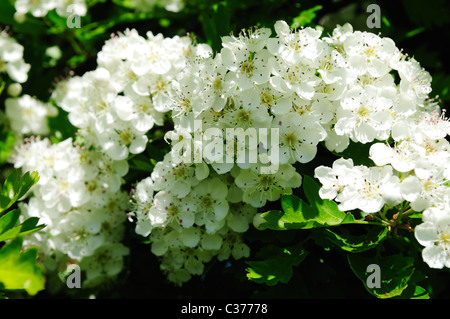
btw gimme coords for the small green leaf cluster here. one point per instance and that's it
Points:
(19, 269)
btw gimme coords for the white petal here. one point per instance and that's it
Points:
(410, 188)
(434, 256)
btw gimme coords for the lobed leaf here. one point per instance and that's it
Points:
(297, 214)
(19, 269)
(15, 187)
(395, 272)
(352, 243)
(276, 266)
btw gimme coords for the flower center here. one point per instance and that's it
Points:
(290, 140)
(266, 181)
(160, 86)
(266, 99)
(173, 210)
(81, 234)
(370, 52)
(217, 84)
(248, 67)
(243, 116)
(179, 171)
(207, 202)
(185, 105)
(444, 240)
(91, 186)
(144, 108)
(126, 137)
(429, 186)
(363, 113)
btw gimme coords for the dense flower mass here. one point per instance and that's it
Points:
(79, 199)
(350, 87)
(243, 120)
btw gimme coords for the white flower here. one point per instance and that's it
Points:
(178, 178)
(364, 115)
(11, 59)
(40, 8)
(67, 8)
(105, 263)
(121, 140)
(376, 187)
(78, 236)
(138, 110)
(368, 53)
(336, 178)
(216, 83)
(246, 112)
(248, 67)
(414, 80)
(28, 115)
(434, 234)
(208, 199)
(274, 100)
(299, 136)
(169, 209)
(259, 188)
(424, 192)
(253, 39)
(401, 157)
(292, 78)
(233, 245)
(240, 216)
(434, 125)
(300, 47)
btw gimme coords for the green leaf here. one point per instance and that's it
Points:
(352, 243)
(9, 220)
(27, 227)
(297, 214)
(7, 142)
(395, 272)
(141, 163)
(358, 152)
(420, 293)
(15, 188)
(276, 265)
(30, 225)
(19, 269)
(216, 23)
(305, 17)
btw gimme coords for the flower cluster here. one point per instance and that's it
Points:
(28, 115)
(11, 59)
(285, 95)
(115, 105)
(389, 101)
(78, 197)
(40, 8)
(150, 5)
(411, 175)
(243, 120)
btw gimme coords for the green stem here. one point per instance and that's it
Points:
(366, 222)
(383, 215)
